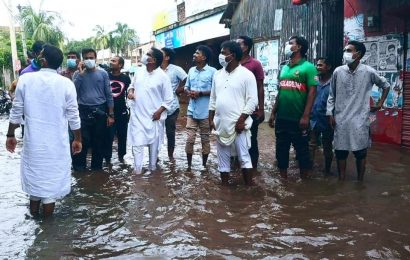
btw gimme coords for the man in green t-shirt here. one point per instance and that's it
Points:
(291, 110)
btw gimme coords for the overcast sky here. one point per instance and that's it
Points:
(81, 16)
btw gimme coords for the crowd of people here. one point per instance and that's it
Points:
(87, 107)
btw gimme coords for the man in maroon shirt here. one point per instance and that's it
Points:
(73, 58)
(258, 115)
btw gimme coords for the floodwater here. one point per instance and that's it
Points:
(178, 214)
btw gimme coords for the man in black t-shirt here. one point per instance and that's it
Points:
(119, 84)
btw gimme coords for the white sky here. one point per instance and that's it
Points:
(81, 16)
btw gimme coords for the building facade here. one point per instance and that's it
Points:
(383, 26)
(272, 22)
(197, 23)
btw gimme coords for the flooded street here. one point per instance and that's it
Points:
(178, 214)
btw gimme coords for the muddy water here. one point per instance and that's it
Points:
(178, 214)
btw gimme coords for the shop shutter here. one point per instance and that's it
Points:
(406, 111)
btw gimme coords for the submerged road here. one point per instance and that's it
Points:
(174, 213)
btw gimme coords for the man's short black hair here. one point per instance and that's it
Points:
(53, 55)
(120, 61)
(206, 51)
(37, 47)
(158, 56)
(170, 53)
(302, 42)
(391, 46)
(75, 53)
(30, 55)
(326, 60)
(88, 50)
(359, 46)
(247, 41)
(234, 48)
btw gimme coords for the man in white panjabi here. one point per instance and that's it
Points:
(150, 96)
(49, 103)
(233, 99)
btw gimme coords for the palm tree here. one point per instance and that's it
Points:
(101, 39)
(124, 38)
(42, 25)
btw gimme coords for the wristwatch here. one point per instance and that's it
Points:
(111, 115)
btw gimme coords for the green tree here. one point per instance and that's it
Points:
(124, 38)
(79, 45)
(102, 38)
(42, 25)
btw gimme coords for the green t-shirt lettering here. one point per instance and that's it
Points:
(294, 85)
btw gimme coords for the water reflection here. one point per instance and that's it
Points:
(178, 214)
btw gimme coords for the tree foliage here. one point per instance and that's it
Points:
(42, 25)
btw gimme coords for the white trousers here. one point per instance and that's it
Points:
(224, 154)
(138, 153)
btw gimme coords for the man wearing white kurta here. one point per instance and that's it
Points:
(48, 101)
(348, 107)
(233, 99)
(150, 95)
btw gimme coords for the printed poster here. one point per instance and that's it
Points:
(267, 53)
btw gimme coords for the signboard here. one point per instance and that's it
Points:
(277, 25)
(197, 31)
(193, 7)
(204, 29)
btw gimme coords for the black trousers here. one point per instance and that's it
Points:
(254, 150)
(93, 133)
(119, 129)
(171, 126)
(287, 133)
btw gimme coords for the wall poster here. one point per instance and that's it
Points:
(267, 53)
(383, 55)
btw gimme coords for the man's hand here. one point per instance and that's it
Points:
(131, 95)
(194, 94)
(110, 121)
(240, 125)
(81, 67)
(272, 120)
(261, 115)
(375, 108)
(304, 123)
(211, 125)
(76, 147)
(332, 121)
(157, 115)
(11, 143)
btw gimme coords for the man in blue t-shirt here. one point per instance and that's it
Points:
(198, 88)
(94, 101)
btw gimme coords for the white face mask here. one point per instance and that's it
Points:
(89, 64)
(288, 51)
(348, 58)
(222, 60)
(144, 59)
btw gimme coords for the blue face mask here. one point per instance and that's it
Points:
(35, 64)
(71, 63)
